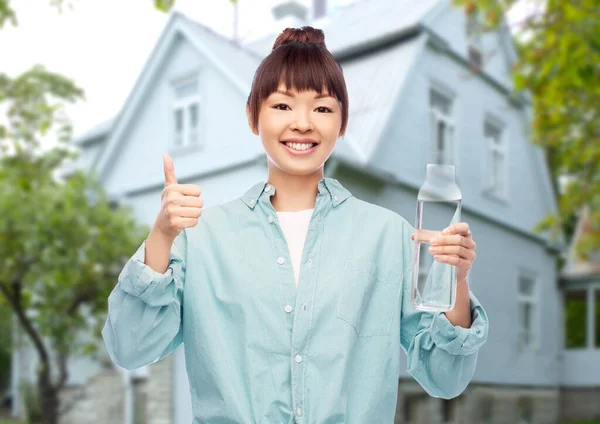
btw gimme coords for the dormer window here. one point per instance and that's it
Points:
(186, 113)
(442, 127)
(474, 44)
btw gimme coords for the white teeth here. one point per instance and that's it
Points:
(299, 146)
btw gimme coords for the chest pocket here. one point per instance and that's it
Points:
(369, 297)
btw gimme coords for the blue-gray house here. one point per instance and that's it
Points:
(424, 87)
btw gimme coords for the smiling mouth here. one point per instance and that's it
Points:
(300, 146)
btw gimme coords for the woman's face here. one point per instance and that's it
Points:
(298, 117)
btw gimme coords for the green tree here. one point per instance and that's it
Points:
(557, 67)
(62, 243)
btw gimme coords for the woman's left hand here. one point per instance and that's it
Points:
(455, 246)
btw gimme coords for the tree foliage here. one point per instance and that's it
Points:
(557, 67)
(62, 242)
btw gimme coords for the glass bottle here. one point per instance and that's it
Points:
(438, 206)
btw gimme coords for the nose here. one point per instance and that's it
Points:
(302, 121)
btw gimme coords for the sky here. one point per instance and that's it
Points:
(103, 45)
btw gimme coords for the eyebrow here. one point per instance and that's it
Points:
(290, 94)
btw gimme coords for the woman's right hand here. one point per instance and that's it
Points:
(181, 205)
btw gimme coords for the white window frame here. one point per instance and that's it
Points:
(533, 300)
(184, 104)
(447, 155)
(495, 147)
(474, 39)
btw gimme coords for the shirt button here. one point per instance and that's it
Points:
(280, 260)
(270, 218)
(298, 358)
(318, 216)
(268, 189)
(299, 412)
(252, 201)
(335, 198)
(288, 308)
(309, 262)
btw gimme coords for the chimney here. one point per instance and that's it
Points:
(319, 8)
(290, 13)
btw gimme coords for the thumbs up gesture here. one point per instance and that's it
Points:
(181, 205)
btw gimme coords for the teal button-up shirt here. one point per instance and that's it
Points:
(257, 350)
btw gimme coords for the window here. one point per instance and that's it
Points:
(442, 128)
(575, 319)
(495, 143)
(525, 410)
(186, 113)
(474, 30)
(526, 328)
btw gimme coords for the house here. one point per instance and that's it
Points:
(414, 99)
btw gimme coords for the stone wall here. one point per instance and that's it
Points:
(478, 404)
(580, 404)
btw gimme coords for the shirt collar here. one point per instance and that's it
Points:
(332, 187)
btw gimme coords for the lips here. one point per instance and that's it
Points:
(299, 152)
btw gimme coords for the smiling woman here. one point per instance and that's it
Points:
(298, 105)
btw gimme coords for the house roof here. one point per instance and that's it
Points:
(234, 63)
(365, 24)
(351, 34)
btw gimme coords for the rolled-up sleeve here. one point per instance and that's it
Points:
(144, 309)
(440, 356)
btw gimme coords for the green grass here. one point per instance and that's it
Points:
(5, 421)
(572, 422)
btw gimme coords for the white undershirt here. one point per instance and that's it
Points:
(295, 226)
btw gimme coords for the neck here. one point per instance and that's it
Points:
(294, 192)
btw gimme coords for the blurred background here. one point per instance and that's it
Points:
(92, 92)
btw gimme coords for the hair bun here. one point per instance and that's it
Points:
(306, 34)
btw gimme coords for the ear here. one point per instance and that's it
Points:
(254, 130)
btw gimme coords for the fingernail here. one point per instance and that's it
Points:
(445, 231)
(433, 240)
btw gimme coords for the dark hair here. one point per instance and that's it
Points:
(301, 61)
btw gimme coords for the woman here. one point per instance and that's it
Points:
(292, 301)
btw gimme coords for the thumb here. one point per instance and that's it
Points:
(169, 169)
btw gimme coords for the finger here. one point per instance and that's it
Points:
(459, 251)
(459, 228)
(185, 212)
(169, 169)
(189, 201)
(425, 235)
(456, 239)
(452, 260)
(188, 189)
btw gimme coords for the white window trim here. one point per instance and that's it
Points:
(184, 104)
(534, 343)
(449, 154)
(474, 38)
(491, 148)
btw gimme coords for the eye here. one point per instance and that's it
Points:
(327, 110)
(277, 106)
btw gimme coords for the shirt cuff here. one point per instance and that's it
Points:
(139, 279)
(457, 340)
